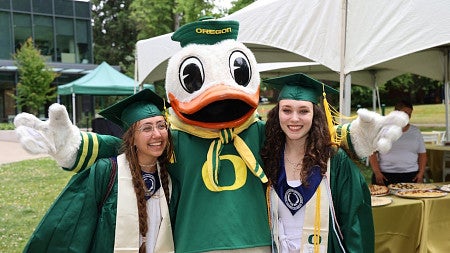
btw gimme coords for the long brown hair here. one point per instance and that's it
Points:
(317, 151)
(130, 151)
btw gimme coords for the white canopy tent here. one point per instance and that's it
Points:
(347, 36)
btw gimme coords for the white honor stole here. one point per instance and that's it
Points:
(316, 223)
(127, 238)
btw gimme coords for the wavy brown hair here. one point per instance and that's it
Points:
(317, 151)
(130, 151)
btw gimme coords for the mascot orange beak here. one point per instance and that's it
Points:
(218, 107)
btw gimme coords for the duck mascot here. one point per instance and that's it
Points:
(218, 201)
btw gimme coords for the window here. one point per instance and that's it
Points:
(84, 44)
(21, 5)
(65, 43)
(43, 36)
(22, 29)
(42, 6)
(82, 9)
(4, 4)
(64, 7)
(5, 38)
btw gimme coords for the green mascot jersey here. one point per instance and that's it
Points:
(230, 219)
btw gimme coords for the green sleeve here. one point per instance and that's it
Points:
(74, 223)
(352, 203)
(343, 134)
(93, 147)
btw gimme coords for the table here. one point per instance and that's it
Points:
(413, 225)
(434, 155)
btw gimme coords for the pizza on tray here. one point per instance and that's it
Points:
(378, 190)
(445, 188)
(411, 186)
(380, 201)
(420, 193)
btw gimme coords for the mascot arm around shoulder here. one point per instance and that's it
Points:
(62, 140)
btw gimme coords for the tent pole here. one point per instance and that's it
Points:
(136, 77)
(343, 85)
(446, 91)
(73, 110)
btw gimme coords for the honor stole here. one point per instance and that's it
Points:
(316, 223)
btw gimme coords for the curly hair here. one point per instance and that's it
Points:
(318, 147)
(130, 151)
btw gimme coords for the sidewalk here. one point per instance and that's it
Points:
(11, 150)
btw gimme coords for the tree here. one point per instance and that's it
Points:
(417, 89)
(239, 4)
(34, 89)
(114, 35)
(157, 17)
(153, 17)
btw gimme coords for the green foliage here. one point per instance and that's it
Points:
(361, 97)
(417, 89)
(6, 126)
(34, 89)
(187, 11)
(114, 35)
(239, 4)
(152, 17)
(118, 25)
(27, 189)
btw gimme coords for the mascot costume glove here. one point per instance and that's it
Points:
(57, 136)
(371, 132)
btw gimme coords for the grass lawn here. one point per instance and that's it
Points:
(27, 189)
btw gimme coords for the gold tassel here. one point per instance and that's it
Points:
(166, 116)
(331, 115)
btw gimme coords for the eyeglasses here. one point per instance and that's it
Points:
(149, 128)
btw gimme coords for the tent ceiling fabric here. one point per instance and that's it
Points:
(378, 34)
(103, 80)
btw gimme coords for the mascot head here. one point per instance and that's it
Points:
(212, 82)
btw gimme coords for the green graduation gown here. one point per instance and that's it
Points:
(81, 220)
(352, 206)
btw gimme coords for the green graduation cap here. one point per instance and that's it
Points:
(142, 105)
(300, 87)
(206, 31)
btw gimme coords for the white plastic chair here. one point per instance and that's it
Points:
(442, 136)
(431, 137)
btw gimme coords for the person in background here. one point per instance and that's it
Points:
(101, 212)
(317, 197)
(407, 159)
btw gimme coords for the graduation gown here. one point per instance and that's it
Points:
(74, 223)
(352, 205)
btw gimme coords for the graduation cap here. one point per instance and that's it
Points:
(206, 31)
(300, 87)
(142, 105)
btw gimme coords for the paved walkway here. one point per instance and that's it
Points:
(11, 150)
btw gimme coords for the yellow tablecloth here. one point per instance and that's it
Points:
(413, 225)
(398, 226)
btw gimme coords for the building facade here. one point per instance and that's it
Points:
(60, 29)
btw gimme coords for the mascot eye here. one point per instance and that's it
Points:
(191, 74)
(240, 68)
